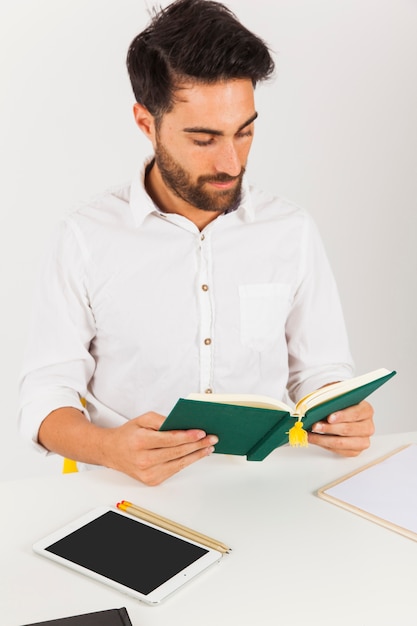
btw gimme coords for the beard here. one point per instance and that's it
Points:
(179, 181)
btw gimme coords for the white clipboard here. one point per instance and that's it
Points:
(384, 491)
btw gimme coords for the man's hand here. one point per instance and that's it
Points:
(346, 432)
(136, 448)
(140, 450)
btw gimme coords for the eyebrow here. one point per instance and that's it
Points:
(212, 131)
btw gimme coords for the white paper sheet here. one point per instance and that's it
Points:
(386, 489)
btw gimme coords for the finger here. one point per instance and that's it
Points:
(363, 428)
(156, 474)
(149, 420)
(158, 455)
(356, 413)
(344, 446)
(179, 464)
(147, 439)
(149, 435)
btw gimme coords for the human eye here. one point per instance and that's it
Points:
(203, 142)
(244, 133)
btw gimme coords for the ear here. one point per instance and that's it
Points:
(145, 121)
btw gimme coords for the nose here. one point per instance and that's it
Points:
(228, 161)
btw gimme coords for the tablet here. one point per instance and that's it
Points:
(127, 553)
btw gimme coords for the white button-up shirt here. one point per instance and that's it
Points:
(136, 308)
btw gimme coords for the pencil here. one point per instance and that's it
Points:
(170, 525)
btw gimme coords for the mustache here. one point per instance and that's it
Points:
(222, 177)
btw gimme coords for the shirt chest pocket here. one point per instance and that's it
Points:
(263, 313)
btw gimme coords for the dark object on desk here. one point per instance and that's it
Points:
(255, 425)
(83, 545)
(110, 617)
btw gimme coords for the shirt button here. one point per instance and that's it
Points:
(202, 237)
(207, 341)
(204, 287)
(208, 390)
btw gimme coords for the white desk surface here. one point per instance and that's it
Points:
(296, 560)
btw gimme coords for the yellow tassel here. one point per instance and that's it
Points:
(298, 436)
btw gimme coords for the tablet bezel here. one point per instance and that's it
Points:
(154, 597)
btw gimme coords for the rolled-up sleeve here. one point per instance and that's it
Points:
(57, 365)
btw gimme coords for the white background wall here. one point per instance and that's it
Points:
(337, 134)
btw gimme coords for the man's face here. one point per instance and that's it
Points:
(202, 145)
(198, 192)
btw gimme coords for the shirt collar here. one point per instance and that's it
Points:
(141, 204)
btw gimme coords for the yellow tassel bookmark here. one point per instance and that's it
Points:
(298, 436)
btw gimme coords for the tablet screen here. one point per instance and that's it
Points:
(127, 551)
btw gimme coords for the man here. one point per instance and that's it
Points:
(188, 279)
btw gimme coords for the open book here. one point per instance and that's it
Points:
(254, 426)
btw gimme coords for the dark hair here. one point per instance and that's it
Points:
(192, 40)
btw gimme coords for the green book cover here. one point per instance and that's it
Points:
(255, 432)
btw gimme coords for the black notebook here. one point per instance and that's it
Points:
(110, 617)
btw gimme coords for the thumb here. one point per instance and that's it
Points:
(150, 420)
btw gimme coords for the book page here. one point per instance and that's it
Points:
(241, 399)
(333, 390)
(384, 491)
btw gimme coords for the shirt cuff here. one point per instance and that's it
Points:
(34, 412)
(319, 379)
